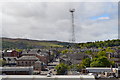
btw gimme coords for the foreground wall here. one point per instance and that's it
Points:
(39, 77)
(108, 79)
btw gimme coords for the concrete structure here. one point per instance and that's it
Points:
(54, 77)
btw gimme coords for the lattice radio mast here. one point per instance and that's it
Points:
(73, 26)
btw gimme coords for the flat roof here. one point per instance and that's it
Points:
(16, 68)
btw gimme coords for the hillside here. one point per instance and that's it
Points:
(27, 43)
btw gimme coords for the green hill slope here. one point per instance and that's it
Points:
(27, 43)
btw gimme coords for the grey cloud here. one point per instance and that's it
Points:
(52, 21)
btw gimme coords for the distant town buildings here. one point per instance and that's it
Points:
(37, 59)
(42, 61)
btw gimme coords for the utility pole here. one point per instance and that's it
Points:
(73, 27)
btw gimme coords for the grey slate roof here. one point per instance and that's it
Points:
(28, 58)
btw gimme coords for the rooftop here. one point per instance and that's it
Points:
(95, 69)
(16, 68)
(28, 58)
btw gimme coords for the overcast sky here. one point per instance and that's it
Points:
(52, 20)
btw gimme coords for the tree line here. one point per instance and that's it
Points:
(98, 44)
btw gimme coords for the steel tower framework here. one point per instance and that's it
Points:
(73, 26)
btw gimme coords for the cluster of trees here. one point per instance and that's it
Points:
(62, 69)
(102, 51)
(2, 62)
(100, 60)
(97, 44)
(66, 51)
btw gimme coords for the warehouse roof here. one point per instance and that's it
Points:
(16, 68)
